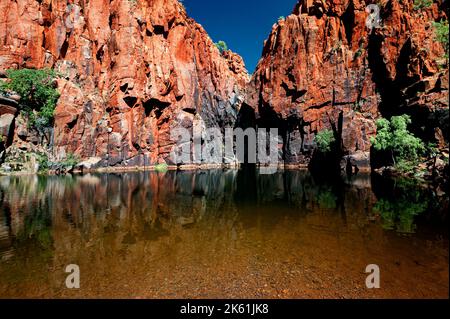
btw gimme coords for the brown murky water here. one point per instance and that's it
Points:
(220, 234)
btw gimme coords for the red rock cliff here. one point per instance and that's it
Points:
(132, 70)
(323, 68)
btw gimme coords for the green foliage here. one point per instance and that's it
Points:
(420, 4)
(222, 46)
(441, 33)
(324, 140)
(37, 227)
(161, 168)
(393, 136)
(38, 95)
(70, 161)
(405, 166)
(432, 150)
(44, 163)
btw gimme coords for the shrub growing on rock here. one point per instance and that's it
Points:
(37, 91)
(222, 46)
(393, 137)
(324, 140)
(68, 163)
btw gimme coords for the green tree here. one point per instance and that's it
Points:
(161, 168)
(71, 160)
(324, 140)
(38, 94)
(393, 136)
(222, 46)
(44, 163)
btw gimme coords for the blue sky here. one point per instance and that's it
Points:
(242, 24)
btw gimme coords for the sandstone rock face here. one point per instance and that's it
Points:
(132, 72)
(323, 68)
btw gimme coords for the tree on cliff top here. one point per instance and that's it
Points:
(37, 92)
(222, 46)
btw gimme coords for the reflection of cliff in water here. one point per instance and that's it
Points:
(180, 225)
(146, 206)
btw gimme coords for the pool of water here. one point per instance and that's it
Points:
(221, 234)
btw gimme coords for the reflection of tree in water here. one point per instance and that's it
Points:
(399, 210)
(37, 228)
(33, 247)
(400, 215)
(327, 199)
